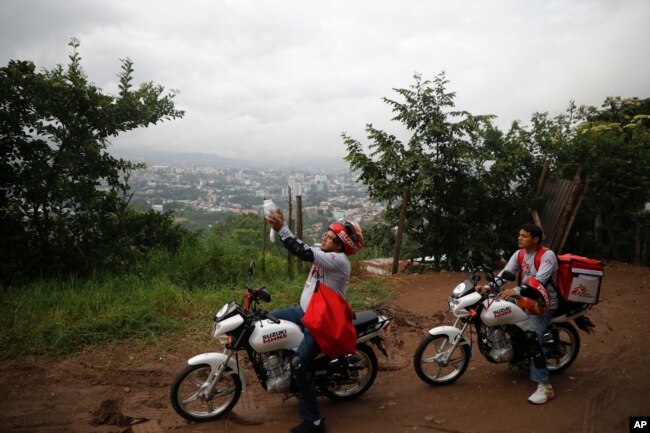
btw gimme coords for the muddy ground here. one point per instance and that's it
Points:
(125, 388)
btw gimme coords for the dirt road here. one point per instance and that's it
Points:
(125, 389)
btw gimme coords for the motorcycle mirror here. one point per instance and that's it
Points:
(507, 275)
(251, 268)
(263, 295)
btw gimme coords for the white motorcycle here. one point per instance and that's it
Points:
(444, 354)
(211, 384)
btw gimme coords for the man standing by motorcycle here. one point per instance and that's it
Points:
(330, 264)
(537, 267)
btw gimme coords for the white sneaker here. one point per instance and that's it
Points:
(542, 394)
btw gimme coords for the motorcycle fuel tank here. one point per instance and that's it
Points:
(269, 336)
(500, 312)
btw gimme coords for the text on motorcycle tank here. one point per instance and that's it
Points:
(274, 336)
(503, 312)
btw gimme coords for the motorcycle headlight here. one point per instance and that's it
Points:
(222, 311)
(452, 303)
(459, 289)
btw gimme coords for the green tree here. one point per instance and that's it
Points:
(63, 197)
(612, 146)
(441, 165)
(510, 178)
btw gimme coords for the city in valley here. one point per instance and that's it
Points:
(202, 195)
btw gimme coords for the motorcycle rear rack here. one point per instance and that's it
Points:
(374, 327)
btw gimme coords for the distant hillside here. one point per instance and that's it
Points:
(156, 157)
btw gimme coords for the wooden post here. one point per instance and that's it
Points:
(540, 186)
(542, 179)
(637, 249)
(299, 225)
(400, 230)
(265, 233)
(289, 221)
(646, 241)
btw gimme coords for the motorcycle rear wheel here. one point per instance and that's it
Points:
(362, 371)
(185, 394)
(430, 369)
(561, 354)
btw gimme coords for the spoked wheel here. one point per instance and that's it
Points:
(562, 344)
(430, 365)
(189, 400)
(347, 383)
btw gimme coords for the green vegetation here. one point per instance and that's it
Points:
(175, 293)
(469, 185)
(56, 318)
(64, 200)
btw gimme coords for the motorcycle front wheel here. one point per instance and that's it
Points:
(188, 402)
(349, 382)
(428, 360)
(562, 346)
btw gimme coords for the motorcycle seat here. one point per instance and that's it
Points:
(364, 319)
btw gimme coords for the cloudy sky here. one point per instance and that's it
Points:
(282, 79)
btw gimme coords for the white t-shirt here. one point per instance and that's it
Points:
(332, 269)
(546, 273)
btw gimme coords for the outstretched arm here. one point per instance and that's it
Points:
(294, 245)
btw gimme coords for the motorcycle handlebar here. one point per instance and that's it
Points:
(271, 318)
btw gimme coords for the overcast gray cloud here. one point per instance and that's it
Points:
(283, 78)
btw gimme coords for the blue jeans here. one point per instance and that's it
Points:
(307, 351)
(538, 325)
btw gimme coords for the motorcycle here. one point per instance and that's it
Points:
(211, 384)
(444, 354)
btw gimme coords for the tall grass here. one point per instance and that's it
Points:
(213, 262)
(174, 294)
(54, 317)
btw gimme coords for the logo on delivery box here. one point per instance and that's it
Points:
(581, 291)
